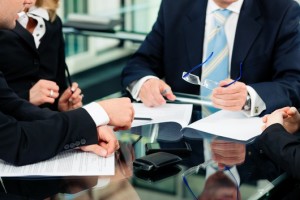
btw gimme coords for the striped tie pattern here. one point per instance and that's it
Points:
(217, 68)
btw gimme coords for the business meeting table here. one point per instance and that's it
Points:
(250, 174)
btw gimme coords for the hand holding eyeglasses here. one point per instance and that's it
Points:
(229, 98)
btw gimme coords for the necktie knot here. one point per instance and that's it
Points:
(221, 16)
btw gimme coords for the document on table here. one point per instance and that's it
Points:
(180, 113)
(228, 124)
(67, 163)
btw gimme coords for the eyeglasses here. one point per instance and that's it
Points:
(209, 84)
(196, 169)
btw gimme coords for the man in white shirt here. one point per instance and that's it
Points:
(262, 37)
(30, 134)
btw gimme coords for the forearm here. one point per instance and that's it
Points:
(281, 147)
(29, 142)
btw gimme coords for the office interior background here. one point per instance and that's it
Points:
(96, 58)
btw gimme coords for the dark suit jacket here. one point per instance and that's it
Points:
(30, 134)
(282, 147)
(267, 41)
(23, 65)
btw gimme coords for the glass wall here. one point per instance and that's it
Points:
(85, 51)
(75, 44)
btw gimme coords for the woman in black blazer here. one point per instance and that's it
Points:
(33, 58)
(280, 139)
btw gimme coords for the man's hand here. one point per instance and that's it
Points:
(232, 97)
(43, 91)
(70, 99)
(153, 91)
(227, 153)
(120, 112)
(107, 143)
(289, 117)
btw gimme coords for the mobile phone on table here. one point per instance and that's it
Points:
(181, 149)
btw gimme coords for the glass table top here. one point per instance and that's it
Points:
(251, 175)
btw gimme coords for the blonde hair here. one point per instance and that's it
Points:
(50, 5)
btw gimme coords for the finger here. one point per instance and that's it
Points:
(53, 86)
(265, 118)
(292, 111)
(48, 100)
(48, 85)
(112, 146)
(157, 97)
(225, 82)
(77, 105)
(107, 139)
(74, 87)
(53, 94)
(150, 93)
(66, 95)
(167, 92)
(121, 128)
(76, 96)
(100, 151)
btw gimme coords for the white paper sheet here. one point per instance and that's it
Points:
(68, 163)
(180, 113)
(229, 124)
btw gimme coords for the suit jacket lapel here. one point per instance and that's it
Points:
(194, 32)
(248, 28)
(25, 35)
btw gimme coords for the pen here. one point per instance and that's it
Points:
(143, 118)
(69, 79)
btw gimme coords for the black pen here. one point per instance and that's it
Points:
(69, 78)
(143, 118)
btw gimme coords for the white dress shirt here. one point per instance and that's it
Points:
(257, 104)
(39, 14)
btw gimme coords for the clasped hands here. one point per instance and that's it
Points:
(232, 97)
(288, 117)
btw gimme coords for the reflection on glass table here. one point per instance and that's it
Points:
(257, 174)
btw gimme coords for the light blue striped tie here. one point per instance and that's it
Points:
(217, 68)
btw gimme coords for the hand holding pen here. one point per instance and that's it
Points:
(154, 92)
(71, 98)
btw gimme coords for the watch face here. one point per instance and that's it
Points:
(247, 105)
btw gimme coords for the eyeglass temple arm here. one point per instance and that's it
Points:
(197, 66)
(237, 79)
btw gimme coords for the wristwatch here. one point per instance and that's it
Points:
(247, 105)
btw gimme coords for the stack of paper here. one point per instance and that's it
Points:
(179, 113)
(68, 163)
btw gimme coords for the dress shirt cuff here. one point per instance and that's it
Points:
(135, 87)
(97, 113)
(257, 104)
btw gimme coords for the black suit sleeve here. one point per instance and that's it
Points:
(148, 60)
(30, 134)
(25, 142)
(282, 147)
